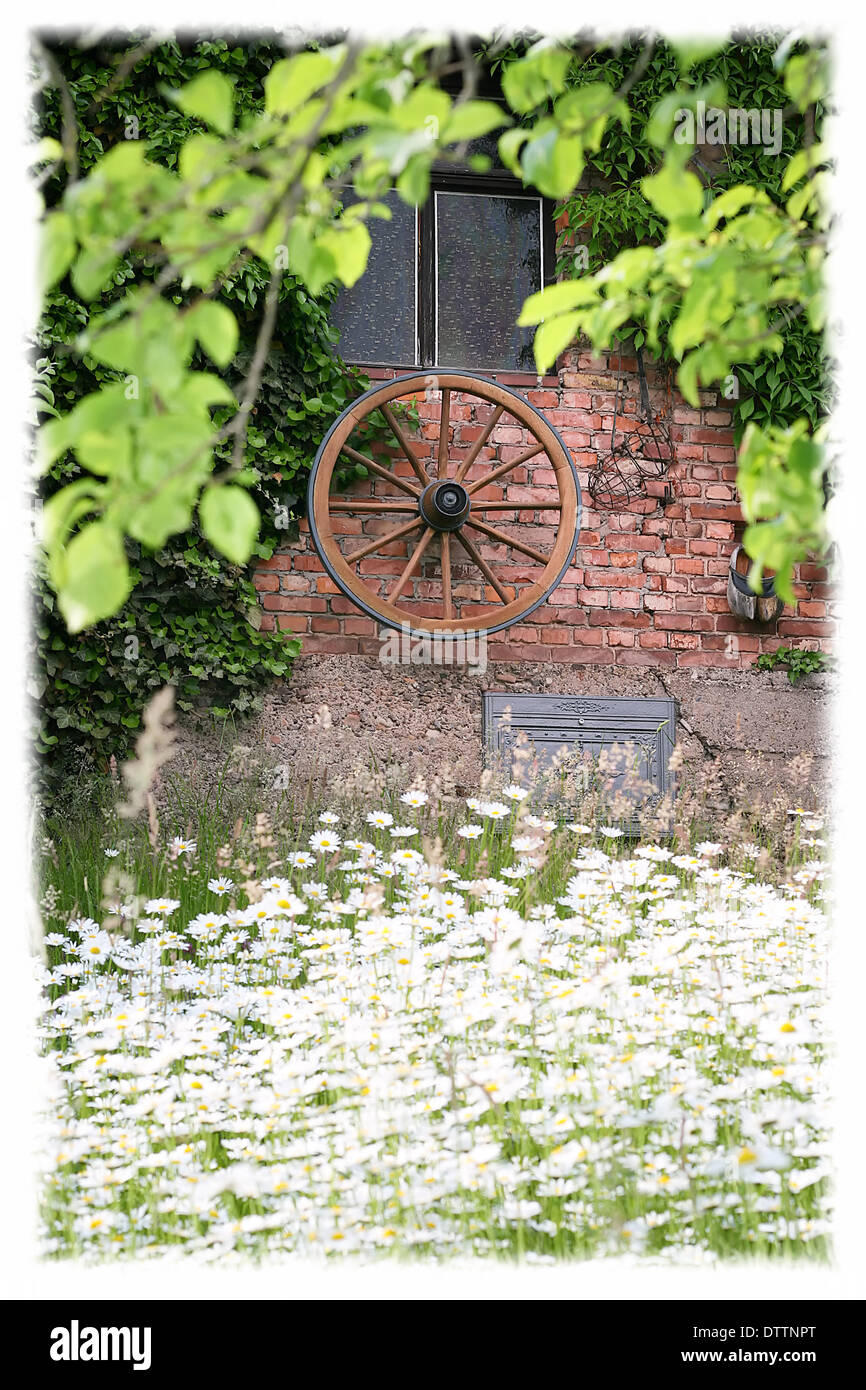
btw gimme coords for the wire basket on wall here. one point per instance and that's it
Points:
(643, 454)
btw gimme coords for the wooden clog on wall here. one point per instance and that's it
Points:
(764, 607)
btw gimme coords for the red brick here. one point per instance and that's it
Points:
(644, 658)
(618, 617)
(597, 656)
(330, 644)
(692, 659)
(710, 436)
(795, 627)
(718, 511)
(283, 603)
(626, 598)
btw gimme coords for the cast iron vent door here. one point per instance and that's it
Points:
(421, 544)
(571, 731)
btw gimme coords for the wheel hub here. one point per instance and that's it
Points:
(444, 505)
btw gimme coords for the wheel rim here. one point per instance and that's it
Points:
(379, 546)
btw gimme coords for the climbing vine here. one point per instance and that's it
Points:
(613, 213)
(192, 617)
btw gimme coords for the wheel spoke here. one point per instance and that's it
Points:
(375, 506)
(444, 416)
(381, 472)
(410, 564)
(505, 468)
(445, 561)
(404, 444)
(381, 541)
(479, 444)
(500, 536)
(483, 566)
(437, 457)
(516, 506)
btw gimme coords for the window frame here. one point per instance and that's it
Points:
(446, 179)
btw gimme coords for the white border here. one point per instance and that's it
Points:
(24, 1276)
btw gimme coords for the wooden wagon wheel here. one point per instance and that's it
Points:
(445, 496)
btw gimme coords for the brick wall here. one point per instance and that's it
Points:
(648, 584)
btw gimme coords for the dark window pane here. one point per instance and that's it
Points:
(482, 144)
(488, 262)
(376, 317)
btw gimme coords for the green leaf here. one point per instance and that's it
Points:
(216, 328)
(552, 338)
(529, 81)
(806, 78)
(57, 250)
(65, 508)
(553, 163)
(47, 149)
(95, 576)
(687, 379)
(94, 271)
(691, 51)
(674, 115)
(413, 185)
(509, 146)
(108, 455)
(230, 520)
(349, 246)
(556, 299)
(803, 162)
(472, 119)
(201, 390)
(293, 81)
(732, 202)
(211, 98)
(308, 259)
(675, 193)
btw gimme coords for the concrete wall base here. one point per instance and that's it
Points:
(750, 732)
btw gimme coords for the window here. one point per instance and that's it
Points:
(445, 282)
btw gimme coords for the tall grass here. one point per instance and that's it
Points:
(512, 1030)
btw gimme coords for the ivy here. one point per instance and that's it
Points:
(797, 661)
(614, 213)
(192, 618)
